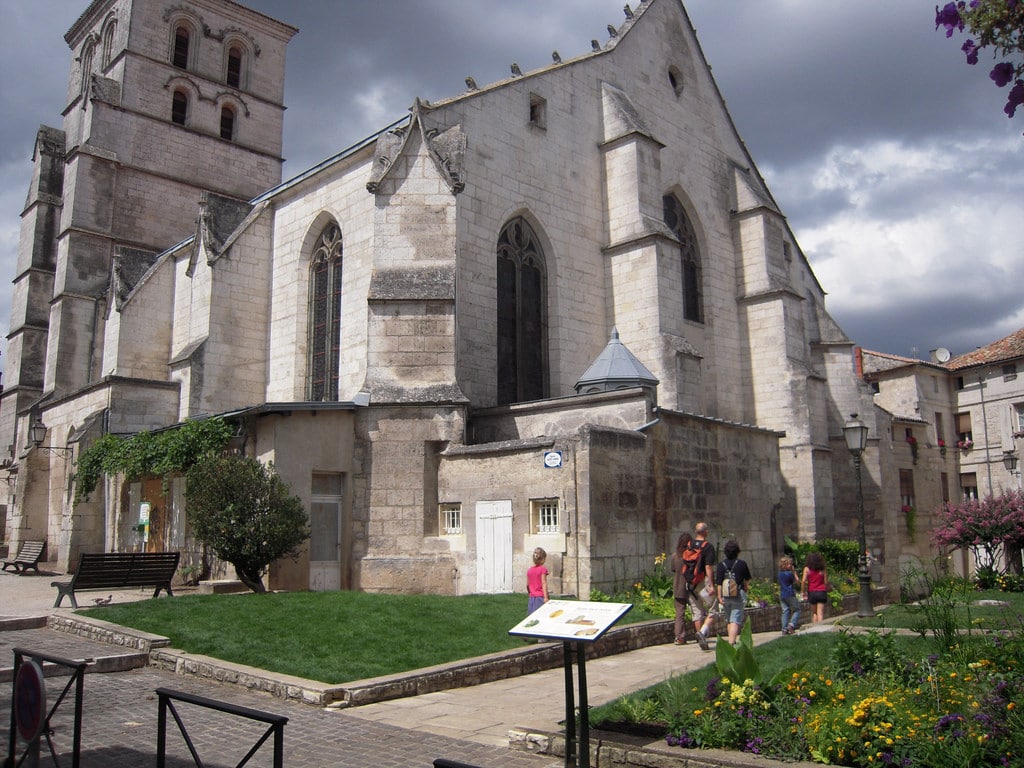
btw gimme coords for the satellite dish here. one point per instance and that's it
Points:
(942, 355)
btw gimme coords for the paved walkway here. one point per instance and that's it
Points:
(468, 724)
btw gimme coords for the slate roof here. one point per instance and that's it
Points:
(1009, 348)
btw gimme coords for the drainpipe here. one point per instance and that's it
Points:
(984, 423)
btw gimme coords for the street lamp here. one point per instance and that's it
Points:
(37, 434)
(1010, 462)
(856, 433)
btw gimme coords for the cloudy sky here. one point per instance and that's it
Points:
(900, 174)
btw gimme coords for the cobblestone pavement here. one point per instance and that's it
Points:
(119, 728)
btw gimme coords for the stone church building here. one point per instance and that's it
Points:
(559, 310)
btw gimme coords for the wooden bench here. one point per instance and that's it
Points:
(29, 555)
(116, 570)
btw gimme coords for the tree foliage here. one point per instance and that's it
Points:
(156, 454)
(997, 25)
(986, 527)
(244, 512)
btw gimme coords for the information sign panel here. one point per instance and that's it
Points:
(571, 620)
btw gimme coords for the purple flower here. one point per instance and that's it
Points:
(683, 740)
(949, 17)
(1014, 99)
(971, 50)
(1001, 74)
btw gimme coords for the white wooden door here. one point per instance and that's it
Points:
(494, 546)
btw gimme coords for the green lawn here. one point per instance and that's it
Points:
(967, 611)
(332, 637)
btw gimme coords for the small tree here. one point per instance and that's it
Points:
(986, 527)
(244, 512)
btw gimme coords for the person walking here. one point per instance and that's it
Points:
(701, 597)
(815, 581)
(789, 586)
(680, 584)
(733, 580)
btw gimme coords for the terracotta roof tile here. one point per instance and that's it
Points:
(1009, 348)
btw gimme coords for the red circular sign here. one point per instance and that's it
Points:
(30, 700)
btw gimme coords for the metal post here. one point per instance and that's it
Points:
(161, 730)
(583, 753)
(864, 608)
(570, 708)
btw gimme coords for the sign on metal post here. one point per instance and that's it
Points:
(576, 623)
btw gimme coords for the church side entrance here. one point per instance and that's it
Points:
(494, 546)
(325, 519)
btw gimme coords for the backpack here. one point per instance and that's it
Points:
(730, 587)
(693, 570)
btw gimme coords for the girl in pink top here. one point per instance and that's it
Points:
(537, 581)
(816, 583)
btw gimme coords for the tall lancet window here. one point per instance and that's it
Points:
(693, 291)
(325, 317)
(522, 315)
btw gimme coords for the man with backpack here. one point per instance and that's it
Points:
(698, 564)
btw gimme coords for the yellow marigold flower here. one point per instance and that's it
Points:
(828, 682)
(841, 697)
(698, 712)
(952, 674)
(1011, 705)
(812, 694)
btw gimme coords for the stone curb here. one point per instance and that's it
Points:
(621, 751)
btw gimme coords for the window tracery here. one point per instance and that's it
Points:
(693, 292)
(324, 349)
(522, 315)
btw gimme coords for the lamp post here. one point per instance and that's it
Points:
(856, 433)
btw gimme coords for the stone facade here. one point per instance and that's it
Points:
(513, 228)
(947, 426)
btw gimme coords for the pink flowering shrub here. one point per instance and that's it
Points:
(984, 526)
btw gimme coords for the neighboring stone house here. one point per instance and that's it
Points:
(562, 310)
(955, 428)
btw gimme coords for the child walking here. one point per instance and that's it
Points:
(789, 585)
(537, 581)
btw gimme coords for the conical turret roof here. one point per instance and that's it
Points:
(615, 368)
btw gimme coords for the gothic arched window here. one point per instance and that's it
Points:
(180, 55)
(324, 349)
(693, 291)
(227, 123)
(108, 41)
(234, 67)
(88, 52)
(522, 315)
(179, 108)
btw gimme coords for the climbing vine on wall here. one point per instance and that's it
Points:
(156, 454)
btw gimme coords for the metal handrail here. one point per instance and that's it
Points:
(166, 702)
